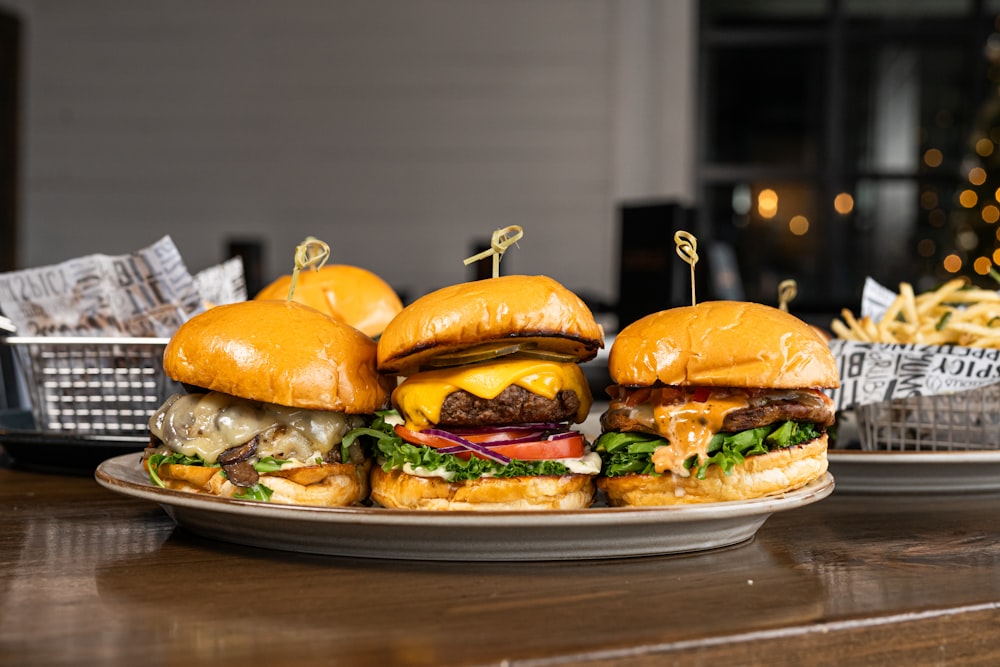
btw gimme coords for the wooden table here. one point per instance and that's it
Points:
(91, 577)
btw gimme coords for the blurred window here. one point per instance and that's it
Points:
(849, 138)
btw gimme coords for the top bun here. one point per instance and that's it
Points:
(515, 309)
(722, 344)
(278, 352)
(347, 293)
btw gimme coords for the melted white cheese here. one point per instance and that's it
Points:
(208, 424)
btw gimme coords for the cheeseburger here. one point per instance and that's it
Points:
(346, 293)
(715, 402)
(273, 387)
(483, 417)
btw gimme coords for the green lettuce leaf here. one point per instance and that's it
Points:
(396, 452)
(156, 460)
(631, 453)
(256, 492)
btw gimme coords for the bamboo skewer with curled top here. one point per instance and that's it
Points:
(502, 239)
(687, 249)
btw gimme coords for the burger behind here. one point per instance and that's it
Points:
(491, 387)
(346, 293)
(716, 402)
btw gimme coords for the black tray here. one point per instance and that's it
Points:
(59, 452)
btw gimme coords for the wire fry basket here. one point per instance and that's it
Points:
(90, 385)
(967, 420)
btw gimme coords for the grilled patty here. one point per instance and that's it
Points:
(514, 405)
(632, 410)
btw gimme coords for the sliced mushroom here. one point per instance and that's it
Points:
(236, 462)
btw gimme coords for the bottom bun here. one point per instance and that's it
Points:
(763, 475)
(327, 485)
(399, 490)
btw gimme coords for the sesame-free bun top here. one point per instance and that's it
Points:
(722, 344)
(535, 310)
(347, 293)
(278, 352)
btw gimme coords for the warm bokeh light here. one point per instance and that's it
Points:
(990, 213)
(767, 203)
(937, 217)
(926, 248)
(984, 147)
(982, 265)
(798, 225)
(968, 198)
(996, 256)
(933, 157)
(928, 199)
(977, 176)
(952, 263)
(843, 203)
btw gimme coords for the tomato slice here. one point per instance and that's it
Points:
(566, 447)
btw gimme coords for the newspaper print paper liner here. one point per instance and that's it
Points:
(967, 420)
(89, 333)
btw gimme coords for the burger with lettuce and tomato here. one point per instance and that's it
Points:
(488, 394)
(720, 401)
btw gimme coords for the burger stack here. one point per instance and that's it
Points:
(471, 398)
(489, 391)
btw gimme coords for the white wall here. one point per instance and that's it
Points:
(396, 130)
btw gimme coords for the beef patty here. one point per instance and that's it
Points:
(632, 410)
(514, 405)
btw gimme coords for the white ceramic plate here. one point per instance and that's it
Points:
(377, 532)
(916, 472)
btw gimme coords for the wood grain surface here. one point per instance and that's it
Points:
(91, 577)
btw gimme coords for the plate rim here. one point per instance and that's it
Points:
(936, 457)
(425, 535)
(146, 490)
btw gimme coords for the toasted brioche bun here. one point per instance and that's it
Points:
(779, 471)
(348, 294)
(327, 485)
(399, 490)
(524, 309)
(278, 352)
(722, 344)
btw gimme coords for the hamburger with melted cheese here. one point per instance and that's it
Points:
(349, 294)
(720, 401)
(490, 389)
(273, 387)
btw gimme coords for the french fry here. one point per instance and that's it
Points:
(952, 314)
(909, 306)
(857, 331)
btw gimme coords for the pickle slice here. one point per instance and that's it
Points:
(471, 355)
(495, 350)
(549, 355)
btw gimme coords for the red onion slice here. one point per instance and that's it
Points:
(534, 426)
(465, 445)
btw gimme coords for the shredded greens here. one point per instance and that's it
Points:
(396, 452)
(631, 453)
(256, 492)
